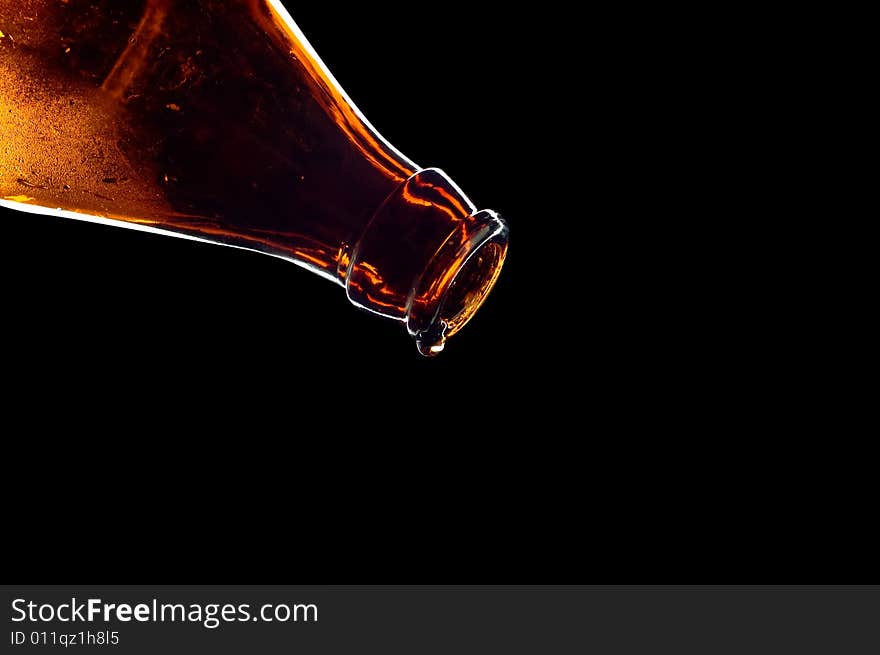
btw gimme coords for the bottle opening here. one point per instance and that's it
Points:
(427, 257)
(471, 285)
(473, 273)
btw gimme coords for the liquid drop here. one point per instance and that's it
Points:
(429, 349)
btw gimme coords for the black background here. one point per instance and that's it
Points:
(194, 413)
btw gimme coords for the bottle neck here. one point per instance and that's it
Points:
(427, 257)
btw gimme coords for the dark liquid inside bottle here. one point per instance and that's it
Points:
(214, 119)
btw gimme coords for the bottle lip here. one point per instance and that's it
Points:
(457, 281)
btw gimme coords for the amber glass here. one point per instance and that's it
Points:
(215, 120)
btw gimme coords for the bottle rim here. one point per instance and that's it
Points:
(470, 273)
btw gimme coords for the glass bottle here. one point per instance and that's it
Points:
(215, 120)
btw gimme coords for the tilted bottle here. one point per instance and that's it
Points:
(215, 120)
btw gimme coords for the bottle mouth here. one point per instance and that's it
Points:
(463, 272)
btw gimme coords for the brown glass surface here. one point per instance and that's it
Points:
(214, 119)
